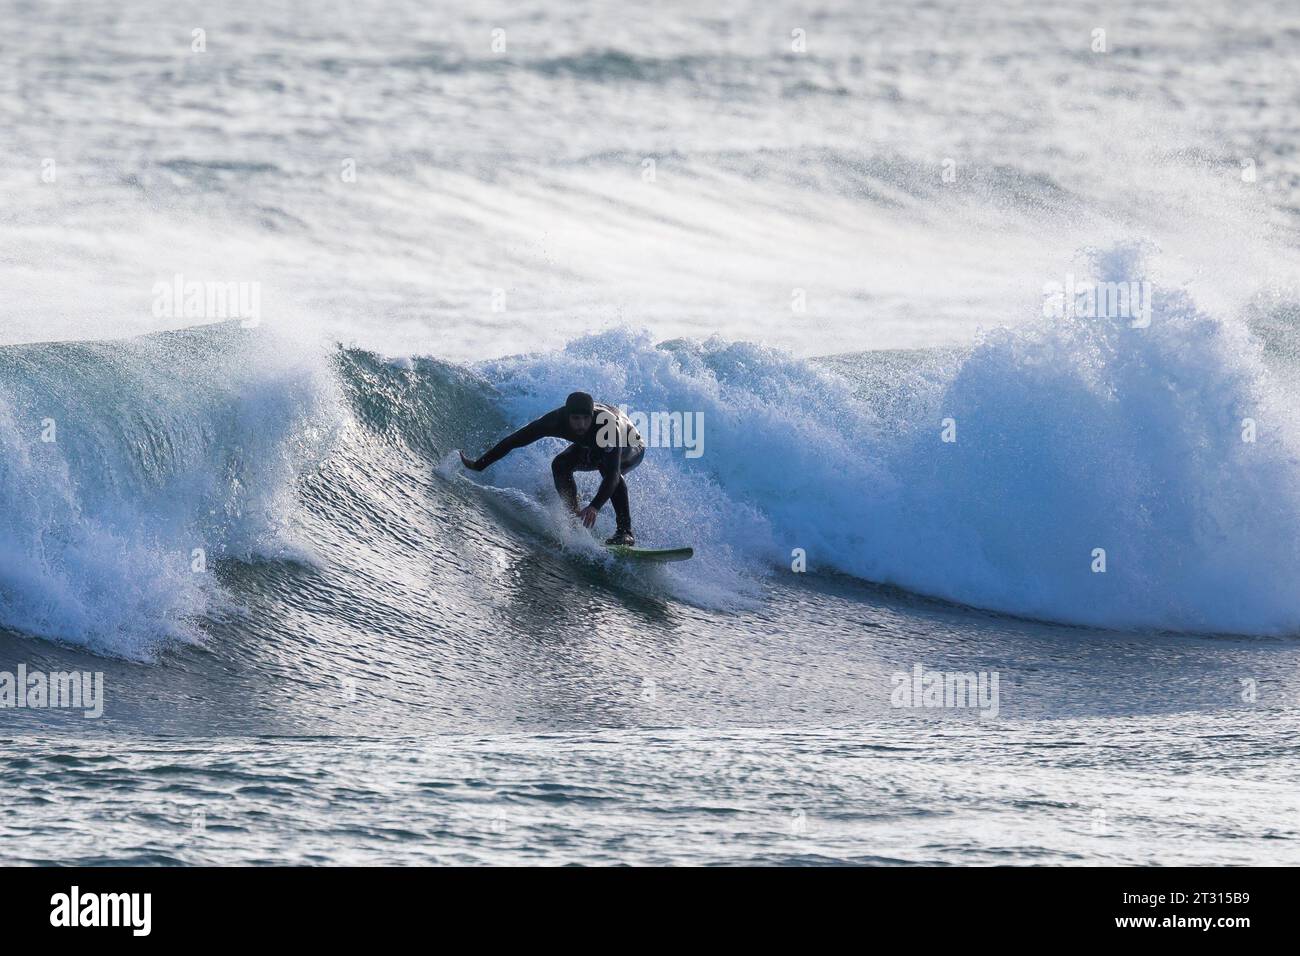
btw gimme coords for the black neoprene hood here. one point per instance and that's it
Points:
(580, 403)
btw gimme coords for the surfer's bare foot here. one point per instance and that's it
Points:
(624, 538)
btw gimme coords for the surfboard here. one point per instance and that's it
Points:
(651, 554)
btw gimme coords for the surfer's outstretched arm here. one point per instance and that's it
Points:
(545, 427)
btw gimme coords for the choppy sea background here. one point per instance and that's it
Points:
(828, 230)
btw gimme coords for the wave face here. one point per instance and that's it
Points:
(128, 465)
(1073, 437)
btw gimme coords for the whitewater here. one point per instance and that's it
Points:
(326, 642)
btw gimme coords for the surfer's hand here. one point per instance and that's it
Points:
(470, 463)
(588, 516)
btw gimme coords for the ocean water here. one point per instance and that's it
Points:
(826, 233)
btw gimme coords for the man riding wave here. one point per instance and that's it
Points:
(603, 439)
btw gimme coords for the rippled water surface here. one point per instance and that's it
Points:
(827, 231)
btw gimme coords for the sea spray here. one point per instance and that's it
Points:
(164, 448)
(1072, 434)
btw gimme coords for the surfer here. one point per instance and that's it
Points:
(603, 439)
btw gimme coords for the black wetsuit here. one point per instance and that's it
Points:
(611, 446)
